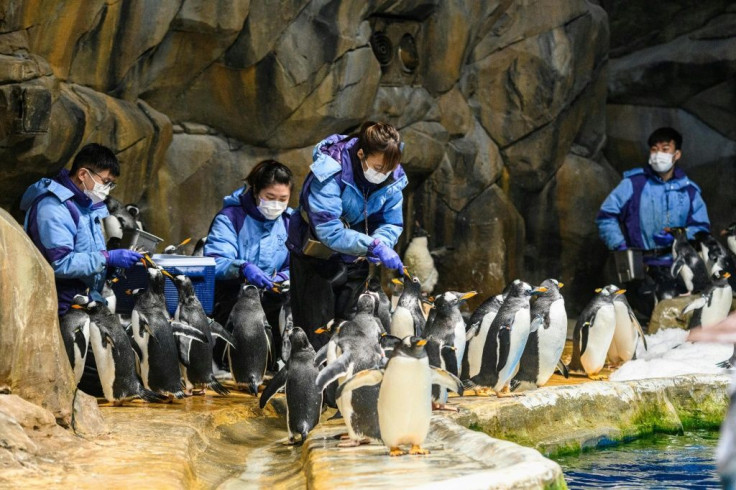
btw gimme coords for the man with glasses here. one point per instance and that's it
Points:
(64, 220)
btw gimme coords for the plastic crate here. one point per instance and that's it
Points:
(201, 270)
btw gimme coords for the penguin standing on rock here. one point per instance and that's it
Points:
(628, 330)
(446, 332)
(298, 377)
(405, 395)
(478, 327)
(75, 333)
(506, 341)
(593, 333)
(408, 318)
(545, 345)
(687, 263)
(714, 303)
(418, 259)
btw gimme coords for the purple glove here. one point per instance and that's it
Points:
(621, 247)
(254, 275)
(281, 276)
(378, 252)
(663, 238)
(122, 257)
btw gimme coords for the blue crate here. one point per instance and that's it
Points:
(201, 270)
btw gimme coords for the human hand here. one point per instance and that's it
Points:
(254, 275)
(378, 252)
(663, 238)
(122, 257)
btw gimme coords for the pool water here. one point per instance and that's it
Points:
(660, 461)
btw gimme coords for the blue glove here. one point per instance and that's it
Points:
(621, 247)
(378, 252)
(663, 239)
(281, 276)
(254, 275)
(122, 257)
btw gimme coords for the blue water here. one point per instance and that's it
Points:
(656, 462)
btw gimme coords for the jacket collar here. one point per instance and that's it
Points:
(78, 195)
(679, 174)
(248, 202)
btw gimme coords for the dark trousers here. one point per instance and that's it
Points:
(323, 290)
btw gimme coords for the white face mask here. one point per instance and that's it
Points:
(98, 193)
(271, 209)
(374, 176)
(661, 161)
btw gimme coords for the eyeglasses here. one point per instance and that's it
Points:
(107, 183)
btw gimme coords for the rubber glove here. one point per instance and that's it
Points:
(621, 247)
(378, 252)
(122, 257)
(281, 276)
(663, 239)
(254, 275)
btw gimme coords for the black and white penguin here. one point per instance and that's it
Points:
(730, 234)
(252, 348)
(478, 327)
(408, 317)
(113, 355)
(384, 303)
(199, 247)
(178, 248)
(405, 395)
(506, 340)
(687, 264)
(593, 333)
(418, 260)
(298, 378)
(714, 303)
(545, 345)
(196, 357)
(717, 258)
(447, 330)
(75, 333)
(628, 332)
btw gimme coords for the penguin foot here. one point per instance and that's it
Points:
(442, 406)
(289, 442)
(117, 403)
(597, 377)
(198, 392)
(396, 451)
(415, 449)
(482, 391)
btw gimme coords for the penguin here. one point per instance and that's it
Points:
(75, 333)
(687, 263)
(545, 345)
(196, 357)
(384, 303)
(251, 350)
(418, 259)
(593, 333)
(154, 337)
(298, 378)
(628, 331)
(113, 355)
(506, 340)
(730, 234)
(408, 318)
(366, 315)
(176, 249)
(447, 329)
(135, 212)
(714, 303)
(717, 258)
(478, 326)
(109, 295)
(405, 394)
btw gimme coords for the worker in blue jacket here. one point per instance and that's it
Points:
(350, 210)
(247, 239)
(646, 202)
(64, 220)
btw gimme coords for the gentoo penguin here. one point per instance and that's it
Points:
(478, 326)
(714, 303)
(593, 334)
(405, 395)
(628, 332)
(687, 264)
(113, 355)
(717, 258)
(298, 376)
(418, 260)
(384, 303)
(730, 234)
(75, 333)
(447, 329)
(252, 349)
(545, 345)
(154, 337)
(408, 317)
(506, 340)
(197, 356)
(176, 249)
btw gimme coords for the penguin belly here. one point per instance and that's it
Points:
(104, 360)
(600, 334)
(731, 242)
(476, 345)
(720, 305)
(405, 402)
(551, 341)
(519, 336)
(623, 343)
(402, 323)
(459, 343)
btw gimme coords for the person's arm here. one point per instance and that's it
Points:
(608, 219)
(57, 232)
(222, 244)
(392, 220)
(697, 217)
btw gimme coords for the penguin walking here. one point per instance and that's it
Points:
(593, 333)
(298, 378)
(384, 303)
(75, 325)
(408, 317)
(251, 350)
(197, 356)
(113, 355)
(478, 327)
(405, 395)
(418, 259)
(545, 345)
(506, 340)
(687, 263)
(628, 332)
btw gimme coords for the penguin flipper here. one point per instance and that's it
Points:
(677, 266)
(433, 353)
(333, 371)
(584, 335)
(448, 355)
(563, 369)
(276, 383)
(537, 323)
(217, 330)
(186, 330)
(184, 344)
(368, 377)
(321, 355)
(447, 380)
(504, 346)
(694, 305)
(472, 331)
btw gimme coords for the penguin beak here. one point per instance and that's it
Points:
(114, 280)
(320, 330)
(78, 307)
(560, 285)
(539, 290)
(621, 291)
(421, 342)
(129, 292)
(598, 290)
(186, 240)
(397, 281)
(726, 275)
(406, 271)
(468, 295)
(724, 232)
(167, 274)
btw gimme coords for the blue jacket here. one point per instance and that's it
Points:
(643, 204)
(340, 205)
(67, 229)
(240, 233)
